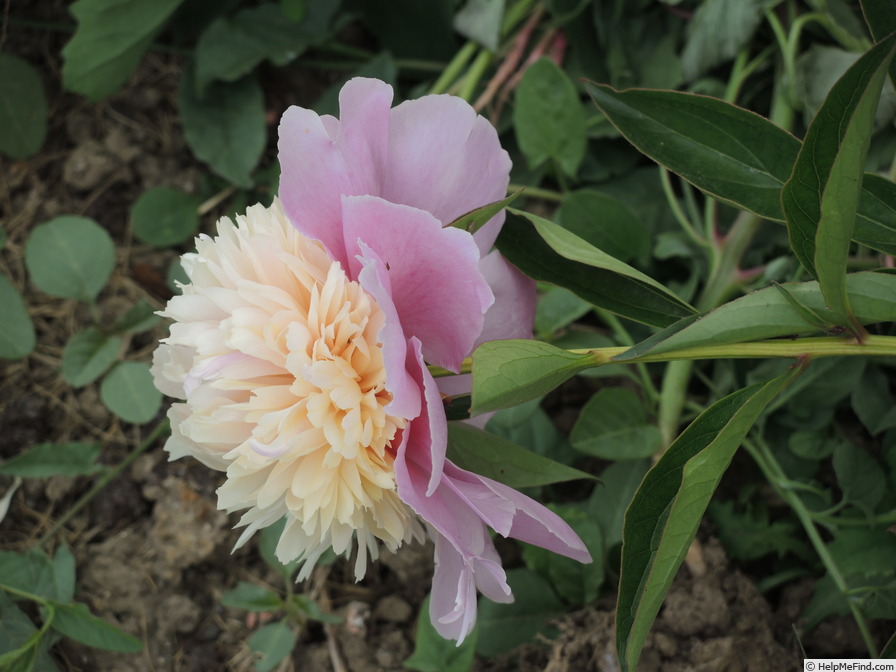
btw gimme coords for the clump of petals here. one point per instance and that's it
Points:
(276, 354)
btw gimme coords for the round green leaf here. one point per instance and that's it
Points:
(272, 643)
(128, 391)
(16, 330)
(164, 216)
(87, 355)
(23, 108)
(70, 257)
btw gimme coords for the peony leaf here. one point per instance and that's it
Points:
(663, 517)
(509, 372)
(731, 154)
(491, 456)
(821, 197)
(768, 313)
(473, 220)
(548, 252)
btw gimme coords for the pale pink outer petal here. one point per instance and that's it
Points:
(406, 398)
(457, 507)
(513, 312)
(446, 159)
(437, 288)
(322, 160)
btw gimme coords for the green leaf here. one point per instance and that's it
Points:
(613, 425)
(503, 627)
(23, 108)
(663, 517)
(556, 309)
(128, 391)
(473, 220)
(140, 317)
(87, 356)
(749, 534)
(717, 31)
(231, 47)
(433, 653)
(731, 154)
(726, 151)
(889, 650)
(880, 15)
(548, 117)
(382, 66)
(821, 197)
(70, 257)
(226, 127)
(767, 313)
(30, 572)
(575, 582)
(491, 456)
(64, 574)
(293, 9)
(548, 252)
(312, 609)
(873, 403)
(249, 596)
(75, 621)
(859, 476)
(17, 336)
(605, 222)
(54, 459)
(480, 21)
(109, 42)
(18, 638)
(272, 643)
(267, 546)
(509, 372)
(612, 495)
(164, 216)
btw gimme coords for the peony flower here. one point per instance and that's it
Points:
(301, 345)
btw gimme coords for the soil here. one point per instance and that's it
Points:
(153, 553)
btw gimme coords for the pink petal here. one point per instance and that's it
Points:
(437, 288)
(447, 160)
(513, 312)
(430, 431)
(321, 160)
(406, 402)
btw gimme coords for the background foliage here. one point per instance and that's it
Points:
(700, 176)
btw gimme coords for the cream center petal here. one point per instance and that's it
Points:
(296, 366)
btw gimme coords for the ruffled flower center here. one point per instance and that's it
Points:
(293, 366)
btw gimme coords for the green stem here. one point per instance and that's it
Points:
(723, 278)
(536, 192)
(625, 338)
(672, 397)
(776, 477)
(104, 480)
(678, 211)
(797, 348)
(454, 68)
(474, 75)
